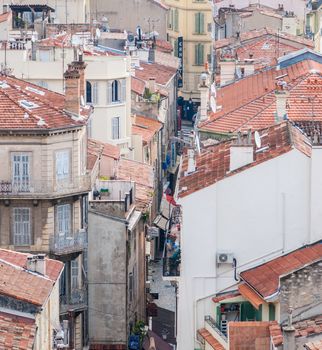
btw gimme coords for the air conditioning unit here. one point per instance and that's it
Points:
(225, 258)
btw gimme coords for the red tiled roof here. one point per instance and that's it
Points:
(143, 175)
(146, 127)
(250, 295)
(59, 40)
(45, 109)
(213, 163)
(214, 343)
(96, 149)
(317, 345)
(250, 103)
(162, 74)
(226, 296)
(19, 283)
(16, 333)
(276, 333)
(309, 327)
(137, 86)
(265, 278)
(249, 335)
(4, 16)
(164, 46)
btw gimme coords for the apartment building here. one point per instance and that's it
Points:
(44, 183)
(191, 20)
(107, 80)
(29, 301)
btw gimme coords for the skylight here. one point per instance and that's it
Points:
(36, 91)
(28, 104)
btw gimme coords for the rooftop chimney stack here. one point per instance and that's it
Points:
(37, 263)
(204, 96)
(289, 334)
(80, 66)
(241, 152)
(72, 90)
(281, 95)
(151, 85)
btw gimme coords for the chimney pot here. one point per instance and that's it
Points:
(72, 90)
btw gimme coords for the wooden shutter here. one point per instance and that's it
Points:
(109, 92)
(176, 19)
(123, 90)
(196, 22)
(197, 54)
(21, 226)
(201, 54)
(201, 23)
(95, 92)
(115, 128)
(62, 164)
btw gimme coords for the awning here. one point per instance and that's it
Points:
(161, 222)
(251, 295)
(134, 219)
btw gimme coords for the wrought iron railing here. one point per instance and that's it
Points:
(215, 327)
(44, 187)
(77, 298)
(65, 244)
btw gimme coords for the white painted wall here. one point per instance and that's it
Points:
(243, 214)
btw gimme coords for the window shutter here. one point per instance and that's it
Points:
(201, 54)
(60, 219)
(59, 165)
(123, 90)
(175, 46)
(197, 22)
(196, 54)
(115, 128)
(202, 23)
(21, 226)
(62, 164)
(67, 219)
(109, 92)
(95, 92)
(176, 19)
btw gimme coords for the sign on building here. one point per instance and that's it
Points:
(180, 56)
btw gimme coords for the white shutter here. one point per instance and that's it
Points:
(62, 164)
(59, 165)
(109, 93)
(21, 171)
(60, 219)
(115, 128)
(67, 219)
(123, 90)
(64, 220)
(95, 92)
(21, 226)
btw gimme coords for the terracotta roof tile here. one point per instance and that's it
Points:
(146, 127)
(143, 175)
(250, 103)
(276, 333)
(213, 163)
(16, 333)
(137, 86)
(4, 16)
(27, 106)
(210, 339)
(96, 149)
(317, 345)
(250, 295)
(226, 296)
(164, 46)
(19, 283)
(265, 278)
(162, 74)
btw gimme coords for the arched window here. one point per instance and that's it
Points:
(89, 95)
(115, 91)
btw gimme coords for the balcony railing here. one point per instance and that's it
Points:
(171, 267)
(75, 300)
(68, 244)
(213, 324)
(32, 188)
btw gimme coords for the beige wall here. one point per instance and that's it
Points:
(186, 28)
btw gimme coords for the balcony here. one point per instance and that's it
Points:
(67, 245)
(75, 301)
(44, 189)
(215, 330)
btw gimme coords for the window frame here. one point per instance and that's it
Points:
(67, 233)
(21, 181)
(118, 119)
(64, 176)
(27, 241)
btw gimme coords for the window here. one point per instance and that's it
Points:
(64, 220)
(176, 20)
(199, 54)
(115, 128)
(62, 165)
(199, 23)
(175, 47)
(21, 226)
(74, 274)
(21, 171)
(116, 91)
(91, 92)
(44, 55)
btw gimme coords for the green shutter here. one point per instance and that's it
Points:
(201, 23)
(271, 312)
(175, 47)
(176, 19)
(201, 54)
(197, 54)
(196, 22)
(172, 19)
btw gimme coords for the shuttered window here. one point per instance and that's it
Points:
(199, 23)
(21, 171)
(115, 128)
(175, 47)
(176, 20)
(199, 54)
(62, 165)
(64, 220)
(95, 92)
(74, 266)
(21, 226)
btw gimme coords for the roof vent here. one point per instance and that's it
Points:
(4, 85)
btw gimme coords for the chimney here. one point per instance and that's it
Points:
(227, 70)
(72, 90)
(191, 162)
(289, 334)
(80, 66)
(241, 152)
(151, 85)
(281, 95)
(37, 263)
(204, 96)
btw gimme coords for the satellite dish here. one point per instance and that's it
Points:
(258, 140)
(98, 33)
